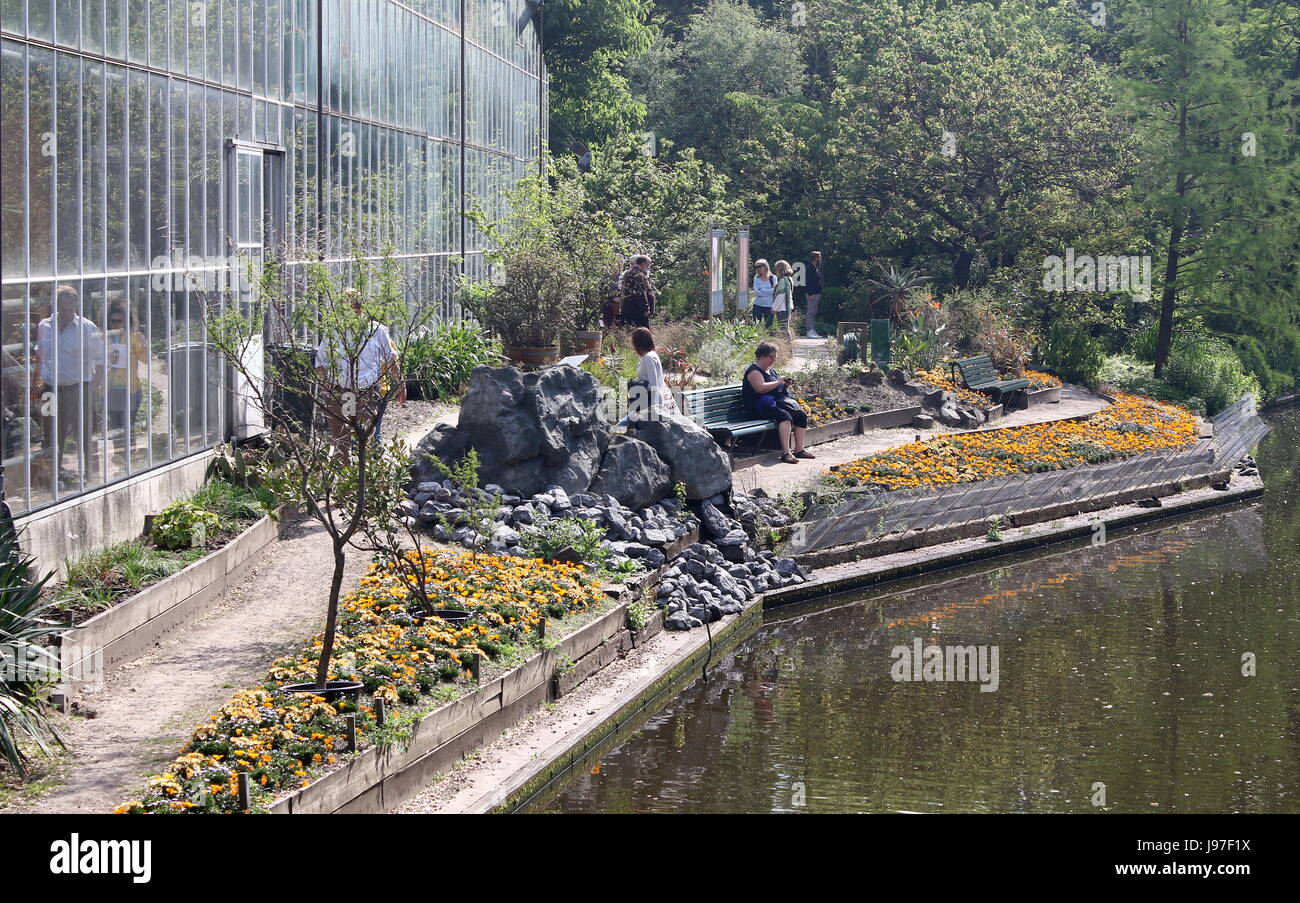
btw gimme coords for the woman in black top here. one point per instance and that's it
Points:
(763, 394)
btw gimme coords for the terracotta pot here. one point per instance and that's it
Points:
(587, 341)
(533, 355)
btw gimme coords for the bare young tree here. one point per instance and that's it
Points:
(346, 324)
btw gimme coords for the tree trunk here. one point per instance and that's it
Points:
(961, 269)
(331, 621)
(1165, 334)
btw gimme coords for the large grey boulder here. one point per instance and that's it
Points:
(531, 430)
(688, 448)
(633, 473)
(444, 443)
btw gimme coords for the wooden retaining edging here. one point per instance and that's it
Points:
(379, 779)
(603, 729)
(94, 649)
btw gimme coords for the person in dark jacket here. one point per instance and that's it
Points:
(764, 393)
(638, 294)
(813, 282)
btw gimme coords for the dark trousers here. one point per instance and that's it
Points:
(74, 415)
(764, 314)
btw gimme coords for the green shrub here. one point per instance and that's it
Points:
(183, 525)
(550, 536)
(230, 502)
(1074, 354)
(1210, 370)
(25, 630)
(439, 360)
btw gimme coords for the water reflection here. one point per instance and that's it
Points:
(1119, 666)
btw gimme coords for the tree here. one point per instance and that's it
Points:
(1218, 173)
(587, 45)
(326, 464)
(957, 129)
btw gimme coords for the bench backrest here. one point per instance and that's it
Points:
(719, 404)
(977, 370)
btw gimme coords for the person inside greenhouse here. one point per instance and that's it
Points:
(764, 393)
(127, 354)
(764, 288)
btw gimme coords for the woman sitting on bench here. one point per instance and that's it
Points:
(763, 394)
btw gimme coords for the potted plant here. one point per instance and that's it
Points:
(549, 260)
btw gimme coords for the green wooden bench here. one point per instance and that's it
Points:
(719, 410)
(979, 374)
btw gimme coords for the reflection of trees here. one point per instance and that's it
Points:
(1092, 640)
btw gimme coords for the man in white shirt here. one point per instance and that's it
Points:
(70, 349)
(357, 375)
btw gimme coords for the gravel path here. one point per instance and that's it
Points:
(146, 710)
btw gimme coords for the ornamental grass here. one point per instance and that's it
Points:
(282, 741)
(1132, 426)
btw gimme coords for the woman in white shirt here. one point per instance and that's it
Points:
(764, 286)
(651, 369)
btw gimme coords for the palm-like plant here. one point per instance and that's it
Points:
(896, 287)
(23, 625)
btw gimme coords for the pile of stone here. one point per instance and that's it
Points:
(545, 450)
(532, 431)
(703, 585)
(942, 405)
(446, 511)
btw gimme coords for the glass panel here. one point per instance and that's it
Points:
(92, 26)
(158, 34)
(13, 166)
(115, 25)
(67, 158)
(15, 395)
(138, 170)
(93, 228)
(116, 139)
(67, 22)
(127, 362)
(137, 30)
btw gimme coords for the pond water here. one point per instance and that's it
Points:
(1119, 665)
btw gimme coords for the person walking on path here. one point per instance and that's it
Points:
(638, 294)
(764, 287)
(359, 377)
(764, 394)
(813, 282)
(783, 295)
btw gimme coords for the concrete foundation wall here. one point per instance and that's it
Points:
(114, 513)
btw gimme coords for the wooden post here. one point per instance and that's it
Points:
(245, 798)
(351, 722)
(541, 629)
(380, 711)
(474, 666)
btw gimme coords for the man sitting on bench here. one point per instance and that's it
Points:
(763, 394)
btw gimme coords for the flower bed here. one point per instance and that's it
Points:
(1131, 426)
(282, 740)
(822, 410)
(940, 378)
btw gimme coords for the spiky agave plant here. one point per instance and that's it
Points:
(27, 667)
